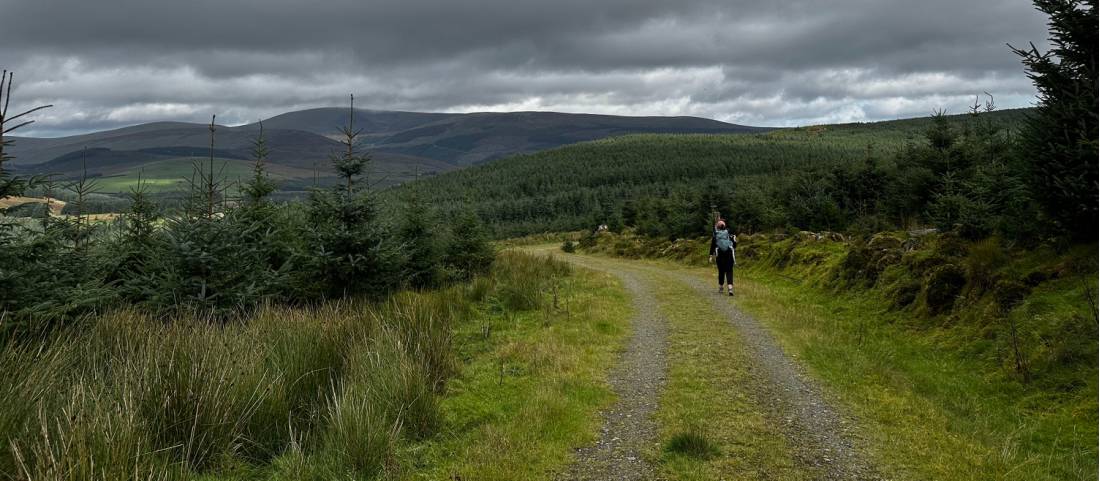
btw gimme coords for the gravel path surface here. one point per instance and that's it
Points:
(821, 437)
(628, 427)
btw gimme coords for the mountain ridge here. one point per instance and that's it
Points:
(402, 144)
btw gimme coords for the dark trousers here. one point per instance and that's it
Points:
(724, 261)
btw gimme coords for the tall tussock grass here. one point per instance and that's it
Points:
(523, 279)
(325, 392)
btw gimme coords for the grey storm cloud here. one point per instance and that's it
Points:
(118, 62)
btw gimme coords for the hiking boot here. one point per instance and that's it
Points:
(731, 292)
(719, 289)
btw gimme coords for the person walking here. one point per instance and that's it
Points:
(722, 244)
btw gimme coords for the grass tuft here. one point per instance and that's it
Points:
(692, 441)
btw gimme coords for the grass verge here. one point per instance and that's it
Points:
(531, 384)
(928, 412)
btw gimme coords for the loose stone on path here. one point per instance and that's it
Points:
(629, 428)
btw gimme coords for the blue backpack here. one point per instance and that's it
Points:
(722, 240)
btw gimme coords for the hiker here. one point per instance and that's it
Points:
(722, 244)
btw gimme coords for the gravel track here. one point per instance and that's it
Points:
(628, 426)
(821, 437)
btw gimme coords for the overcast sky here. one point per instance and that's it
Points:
(112, 63)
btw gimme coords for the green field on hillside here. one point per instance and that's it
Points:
(173, 174)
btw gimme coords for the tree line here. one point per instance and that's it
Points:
(225, 248)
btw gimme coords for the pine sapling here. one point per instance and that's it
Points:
(257, 189)
(350, 164)
(82, 188)
(206, 185)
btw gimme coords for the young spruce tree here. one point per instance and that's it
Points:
(204, 266)
(1060, 139)
(31, 269)
(422, 242)
(136, 246)
(469, 252)
(352, 252)
(264, 229)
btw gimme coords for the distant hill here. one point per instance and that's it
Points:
(375, 123)
(402, 144)
(579, 186)
(150, 147)
(466, 139)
